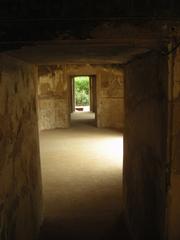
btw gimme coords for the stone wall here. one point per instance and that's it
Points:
(20, 180)
(174, 141)
(111, 99)
(145, 146)
(53, 97)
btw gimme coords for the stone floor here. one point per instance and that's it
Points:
(82, 182)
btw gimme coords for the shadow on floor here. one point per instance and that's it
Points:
(89, 229)
(83, 119)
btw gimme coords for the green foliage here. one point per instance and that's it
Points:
(82, 91)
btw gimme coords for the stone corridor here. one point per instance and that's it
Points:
(82, 181)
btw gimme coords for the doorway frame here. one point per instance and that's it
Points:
(92, 94)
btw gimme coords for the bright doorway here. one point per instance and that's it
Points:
(83, 99)
(82, 93)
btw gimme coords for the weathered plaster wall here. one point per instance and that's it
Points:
(145, 146)
(174, 140)
(20, 180)
(53, 97)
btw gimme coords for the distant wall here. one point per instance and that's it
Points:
(53, 97)
(20, 179)
(174, 140)
(145, 146)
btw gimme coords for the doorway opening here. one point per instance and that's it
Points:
(82, 166)
(82, 93)
(83, 99)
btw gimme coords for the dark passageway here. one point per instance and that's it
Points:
(130, 50)
(82, 182)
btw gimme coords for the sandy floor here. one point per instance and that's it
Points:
(82, 181)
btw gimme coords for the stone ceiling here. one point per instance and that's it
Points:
(77, 53)
(107, 43)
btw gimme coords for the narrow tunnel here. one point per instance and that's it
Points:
(106, 179)
(82, 164)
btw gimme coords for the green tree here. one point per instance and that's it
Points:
(82, 91)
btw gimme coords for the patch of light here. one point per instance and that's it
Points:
(83, 109)
(111, 152)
